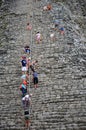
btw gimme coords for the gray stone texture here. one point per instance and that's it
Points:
(59, 103)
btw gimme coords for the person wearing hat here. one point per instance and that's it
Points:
(25, 77)
(26, 100)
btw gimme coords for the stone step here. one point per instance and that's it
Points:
(58, 102)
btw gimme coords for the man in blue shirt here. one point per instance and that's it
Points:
(24, 64)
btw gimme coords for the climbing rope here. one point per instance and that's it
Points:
(30, 55)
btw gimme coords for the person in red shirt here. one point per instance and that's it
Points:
(47, 7)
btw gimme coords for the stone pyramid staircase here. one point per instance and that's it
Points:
(59, 101)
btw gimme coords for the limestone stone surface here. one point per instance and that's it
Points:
(59, 102)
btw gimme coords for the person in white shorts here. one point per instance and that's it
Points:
(24, 64)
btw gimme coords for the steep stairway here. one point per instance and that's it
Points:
(59, 101)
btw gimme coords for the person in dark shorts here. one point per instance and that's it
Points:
(56, 24)
(27, 118)
(35, 79)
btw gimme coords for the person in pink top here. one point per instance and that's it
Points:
(38, 37)
(29, 26)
